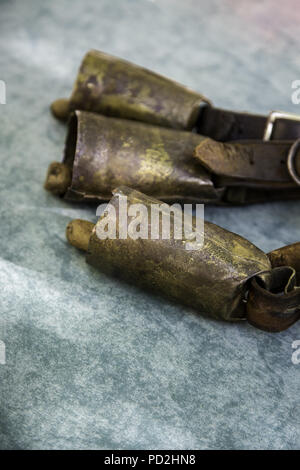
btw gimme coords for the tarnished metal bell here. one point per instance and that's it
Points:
(114, 87)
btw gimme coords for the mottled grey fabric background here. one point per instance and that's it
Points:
(90, 362)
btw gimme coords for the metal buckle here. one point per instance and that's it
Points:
(273, 116)
(291, 161)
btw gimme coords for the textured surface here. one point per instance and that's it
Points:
(118, 88)
(90, 362)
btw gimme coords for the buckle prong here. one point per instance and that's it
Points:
(273, 116)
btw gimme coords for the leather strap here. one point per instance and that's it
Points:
(288, 255)
(224, 125)
(249, 163)
(274, 298)
(250, 170)
(243, 195)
